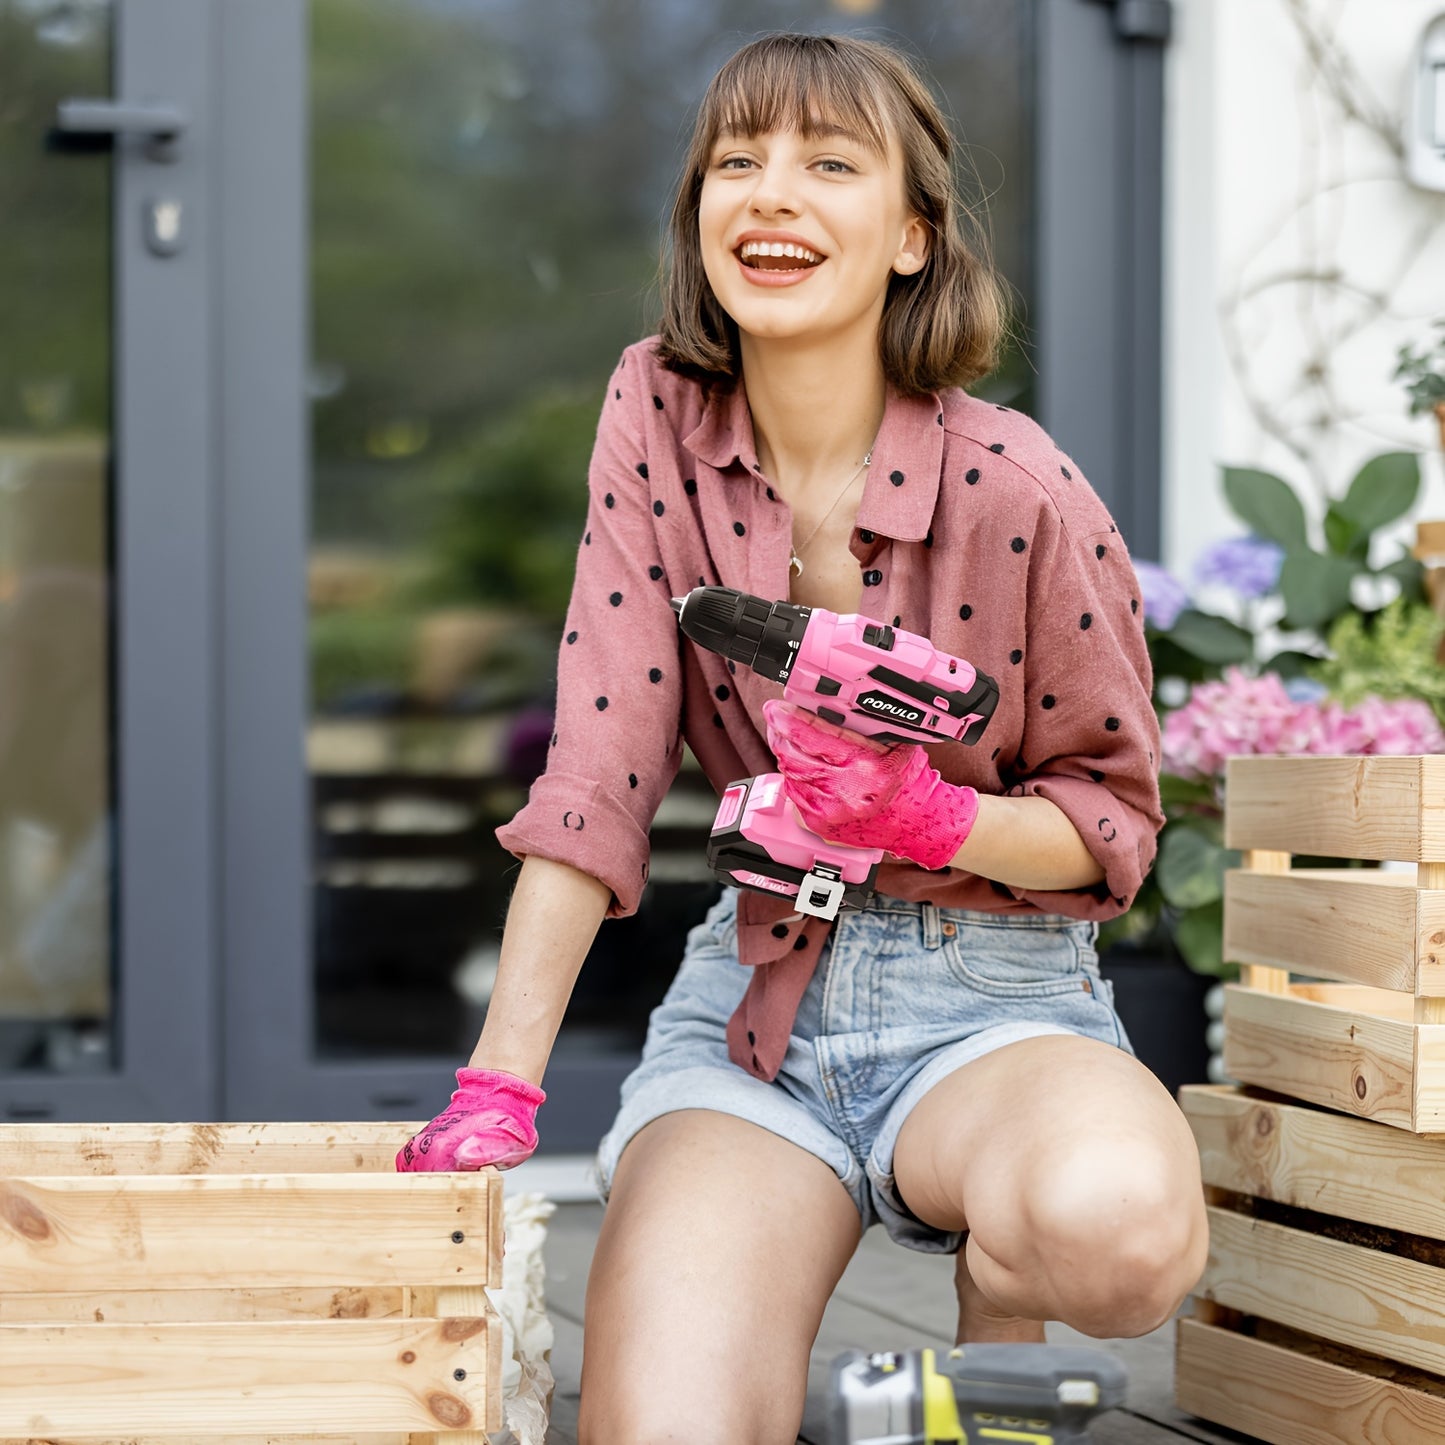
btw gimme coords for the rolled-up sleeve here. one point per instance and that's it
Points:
(1091, 738)
(617, 744)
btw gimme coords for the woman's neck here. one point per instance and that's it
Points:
(815, 409)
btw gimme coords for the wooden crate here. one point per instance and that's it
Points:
(1372, 1043)
(1320, 1319)
(243, 1283)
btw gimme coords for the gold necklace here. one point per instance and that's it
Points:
(795, 563)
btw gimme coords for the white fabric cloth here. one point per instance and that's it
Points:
(527, 1333)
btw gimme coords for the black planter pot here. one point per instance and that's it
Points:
(1160, 1001)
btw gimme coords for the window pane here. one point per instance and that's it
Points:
(56, 867)
(489, 185)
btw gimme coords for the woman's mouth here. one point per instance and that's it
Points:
(777, 256)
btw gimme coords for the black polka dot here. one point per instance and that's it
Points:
(741, 530)
(722, 692)
(996, 447)
(1048, 700)
(864, 536)
(971, 476)
(654, 674)
(732, 667)
(702, 582)
(655, 572)
(717, 721)
(1111, 724)
(872, 577)
(1000, 408)
(801, 941)
(771, 497)
(618, 395)
(1016, 656)
(554, 740)
(587, 539)
(601, 704)
(896, 478)
(940, 418)
(995, 754)
(632, 780)
(1100, 550)
(609, 501)
(1086, 622)
(571, 637)
(1096, 775)
(752, 1037)
(928, 540)
(965, 612)
(898, 622)
(642, 470)
(1068, 475)
(616, 599)
(1018, 544)
(780, 930)
(658, 509)
(657, 402)
(690, 487)
(1134, 605)
(1107, 830)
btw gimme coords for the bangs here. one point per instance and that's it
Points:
(800, 83)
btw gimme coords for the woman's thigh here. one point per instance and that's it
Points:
(720, 1246)
(1069, 1164)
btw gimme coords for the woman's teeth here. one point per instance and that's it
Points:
(763, 253)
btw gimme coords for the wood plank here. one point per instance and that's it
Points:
(1376, 808)
(1358, 1063)
(136, 1307)
(350, 1437)
(1289, 1398)
(1357, 925)
(1351, 1168)
(361, 1375)
(264, 1148)
(1372, 1301)
(246, 1231)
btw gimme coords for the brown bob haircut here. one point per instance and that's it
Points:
(942, 326)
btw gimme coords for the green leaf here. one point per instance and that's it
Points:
(1344, 537)
(1410, 574)
(1210, 638)
(1385, 488)
(1291, 664)
(1266, 505)
(1316, 588)
(1199, 936)
(1177, 792)
(1190, 867)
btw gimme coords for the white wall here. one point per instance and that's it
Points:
(1271, 189)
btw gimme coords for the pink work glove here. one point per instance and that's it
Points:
(491, 1122)
(851, 789)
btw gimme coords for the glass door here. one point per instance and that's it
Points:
(104, 954)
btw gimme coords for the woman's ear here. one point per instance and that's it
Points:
(913, 253)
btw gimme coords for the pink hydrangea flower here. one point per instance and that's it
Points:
(1246, 716)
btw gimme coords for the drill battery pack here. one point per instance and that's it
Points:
(758, 840)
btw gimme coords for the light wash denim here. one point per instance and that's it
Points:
(904, 994)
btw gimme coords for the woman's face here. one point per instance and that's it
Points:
(835, 202)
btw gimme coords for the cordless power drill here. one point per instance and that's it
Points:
(877, 680)
(1020, 1394)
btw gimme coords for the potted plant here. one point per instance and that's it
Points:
(1423, 372)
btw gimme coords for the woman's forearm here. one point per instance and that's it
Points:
(552, 920)
(1026, 842)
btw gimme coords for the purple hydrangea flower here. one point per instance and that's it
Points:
(1164, 596)
(1305, 689)
(1247, 565)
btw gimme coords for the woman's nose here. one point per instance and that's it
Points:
(774, 193)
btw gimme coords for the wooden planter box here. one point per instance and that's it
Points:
(243, 1282)
(1320, 1319)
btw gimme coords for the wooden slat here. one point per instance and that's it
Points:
(350, 1437)
(458, 1303)
(275, 1148)
(359, 1375)
(1286, 1397)
(1377, 808)
(1356, 925)
(138, 1307)
(1360, 1063)
(246, 1231)
(1253, 975)
(1346, 1293)
(1351, 1168)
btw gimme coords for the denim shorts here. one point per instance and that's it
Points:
(903, 994)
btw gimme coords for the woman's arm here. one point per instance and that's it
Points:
(1026, 842)
(552, 919)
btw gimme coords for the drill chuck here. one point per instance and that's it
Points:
(762, 635)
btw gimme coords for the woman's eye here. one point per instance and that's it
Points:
(733, 163)
(835, 167)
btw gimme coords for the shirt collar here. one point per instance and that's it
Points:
(902, 487)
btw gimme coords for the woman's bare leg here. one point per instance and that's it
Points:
(720, 1246)
(1078, 1180)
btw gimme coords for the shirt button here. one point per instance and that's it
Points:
(949, 929)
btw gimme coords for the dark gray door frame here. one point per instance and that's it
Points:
(163, 603)
(1100, 248)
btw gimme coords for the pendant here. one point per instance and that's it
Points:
(795, 565)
